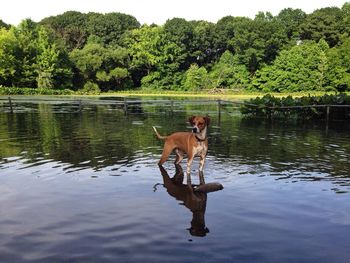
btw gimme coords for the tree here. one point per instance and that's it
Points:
(345, 23)
(258, 41)
(229, 73)
(26, 34)
(291, 19)
(323, 23)
(202, 50)
(46, 60)
(180, 32)
(338, 75)
(153, 56)
(8, 51)
(69, 27)
(225, 31)
(105, 65)
(302, 68)
(195, 78)
(4, 25)
(52, 65)
(110, 27)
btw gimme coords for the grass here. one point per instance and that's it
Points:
(209, 94)
(224, 95)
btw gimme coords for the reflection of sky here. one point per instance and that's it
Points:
(283, 192)
(116, 206)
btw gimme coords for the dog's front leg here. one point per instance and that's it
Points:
(188, 170)
(201, 163)
(201, 168)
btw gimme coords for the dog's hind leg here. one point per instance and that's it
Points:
(179, 156)
(165, 155)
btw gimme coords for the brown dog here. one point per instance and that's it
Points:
(193, 144)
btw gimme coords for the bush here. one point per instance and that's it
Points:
(307, 107)
(90, 88)
(31, 91)
(196, 78)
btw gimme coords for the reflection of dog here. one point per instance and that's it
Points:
(193, 143)
(195, 200)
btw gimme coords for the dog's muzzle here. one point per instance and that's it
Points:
(195, 130)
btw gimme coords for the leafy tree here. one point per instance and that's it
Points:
(323, 23)
(339, 66)
(229, 73)
(291, 19)
(104, 64)
(225, 31)
(26, 35)
(8, 51)
(53, 69)
(180, 32)
(302, 68)
(195, 78)
(153, 56)
(202, 49)
(4, 25)
(111, 26)
(70, 27)
(345, 23)
(46, 61)
(258, 41)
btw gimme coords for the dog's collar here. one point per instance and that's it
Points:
(199, 139)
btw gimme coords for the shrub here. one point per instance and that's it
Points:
(90, 88)
(31, 91)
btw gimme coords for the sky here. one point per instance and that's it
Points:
(155, 11)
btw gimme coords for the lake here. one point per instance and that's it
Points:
(80, 183)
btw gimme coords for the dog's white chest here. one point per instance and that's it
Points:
(200, 149)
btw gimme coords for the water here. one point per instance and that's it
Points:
(84, 187)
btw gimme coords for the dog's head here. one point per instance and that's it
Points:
(199, 123)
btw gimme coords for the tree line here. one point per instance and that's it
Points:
(292, 51)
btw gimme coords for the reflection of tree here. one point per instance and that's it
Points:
(194, 200)
(300, 144)
(60, 133)
(94, 136)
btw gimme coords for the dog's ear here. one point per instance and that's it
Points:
(207, 120)
(190, 119)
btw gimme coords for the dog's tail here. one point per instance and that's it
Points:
(158, 135)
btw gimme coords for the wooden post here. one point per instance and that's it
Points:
(10, 102)
(125, 107)
(328, 111)
(219, 111)
(80, 106)
(172, 107)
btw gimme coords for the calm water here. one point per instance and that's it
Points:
(85, 187)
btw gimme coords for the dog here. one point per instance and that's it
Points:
(192, 144)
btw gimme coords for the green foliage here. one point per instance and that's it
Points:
(90, 88)
(291, 19)
(4, 25)
(31, 91)
(104, 64)
(70, 28)
(324, 23)
(307, 107)
(195, 78)
(302, 68)
(292, 51)
(229, 73)
(338, 75)
(8, 50)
